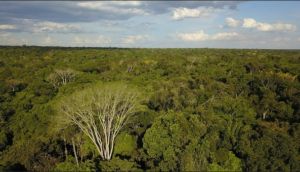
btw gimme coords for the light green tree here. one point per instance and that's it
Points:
(100, 112)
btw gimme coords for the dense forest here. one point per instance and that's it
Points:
(198, 109)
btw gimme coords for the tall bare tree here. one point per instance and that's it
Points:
(67, 75)
(100, 112)
(13, 83)
(53, 78)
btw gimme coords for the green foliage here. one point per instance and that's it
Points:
(168, 135)
(124, 144)
(3, 141)
(70, 165)
(231, 163)
(203, 109)
(117, 164)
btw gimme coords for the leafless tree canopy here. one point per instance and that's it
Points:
(100, 113)
(67, 75)
(53, 79)
(12, 83)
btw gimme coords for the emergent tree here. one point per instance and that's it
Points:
(67, 75)
(100, 112)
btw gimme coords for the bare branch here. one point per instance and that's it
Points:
(100, 113)
(53, 79)
(12, 83)
(66, 76)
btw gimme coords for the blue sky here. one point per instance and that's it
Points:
(152, 24)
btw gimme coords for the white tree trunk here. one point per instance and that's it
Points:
(74, 149)
(100, 113)
(264, 115)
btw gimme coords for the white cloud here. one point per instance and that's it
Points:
(143, 37)
(227, 36)
(77, 40)
(251, 23)
(41, 27)
(86, 11)
(100, 40)
(277, 27)
(197, 36)
(128, 40)
(5, 27)
(5, 39)
(106, 41)
(261, 42)
(298, 39)
(13, 41)
(51, 27)
(181, 13)
(126, 3)
(277, 39)
(49, 41)
(253, 42)
(108, 6)
(5, 35)
(230, 22)
(201, 36)
(138, 38)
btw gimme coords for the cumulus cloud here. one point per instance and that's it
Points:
(277, 27)
(138, 38)
(7, 27)
(230, 22)
(265, 27)
(127, 25)
(100, 40)
(277, 39)
(197, 36)
(128, 40)
(227, 36)
(105, 41)
(5, 39)
(107, 6)
(77, 40)
(12, 41)
(182, 13)
(251, 23)
(126, 3)
(49, 41)
(52, 27)
(75, 11)
(42, 27)
(5, 35)
(201, 36)
(251, 42)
